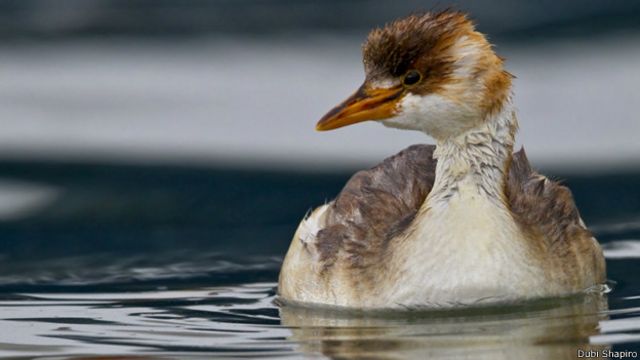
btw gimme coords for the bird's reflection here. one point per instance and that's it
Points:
(549, 329)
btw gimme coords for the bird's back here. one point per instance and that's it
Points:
(353, 236)
(375, 205)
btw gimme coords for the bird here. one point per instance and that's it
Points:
(465, 222)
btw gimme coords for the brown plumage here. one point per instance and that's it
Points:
(403, 44)
(424, 42)
(546, 211)
(378, 204)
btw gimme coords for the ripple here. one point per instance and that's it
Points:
(243, 321)
(110, 323)
(157, 271)
(214, 306)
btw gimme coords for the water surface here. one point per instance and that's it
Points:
(182, 262)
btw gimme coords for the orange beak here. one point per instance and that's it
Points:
(372, 104)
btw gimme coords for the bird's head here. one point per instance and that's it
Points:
(430, 72)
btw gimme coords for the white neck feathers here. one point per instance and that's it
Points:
(478, 157)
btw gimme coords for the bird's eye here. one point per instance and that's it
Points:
(412, 77)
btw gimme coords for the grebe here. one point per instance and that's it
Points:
(464, 222)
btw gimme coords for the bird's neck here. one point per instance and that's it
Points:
(476, 160)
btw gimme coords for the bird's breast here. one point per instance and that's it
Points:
(465, 250)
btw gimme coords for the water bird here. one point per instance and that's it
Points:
(465, 222)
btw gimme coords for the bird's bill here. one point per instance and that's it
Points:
(365, 104)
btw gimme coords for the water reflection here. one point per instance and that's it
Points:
(550, 329)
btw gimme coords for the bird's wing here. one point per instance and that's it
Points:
(375, 205)
(546, 209)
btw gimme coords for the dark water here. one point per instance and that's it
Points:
(182, 262)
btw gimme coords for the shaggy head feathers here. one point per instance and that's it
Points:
(457, 65)
(397, 47)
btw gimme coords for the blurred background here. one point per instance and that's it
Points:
(140, 125)
(243, 82)
(156, 157)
